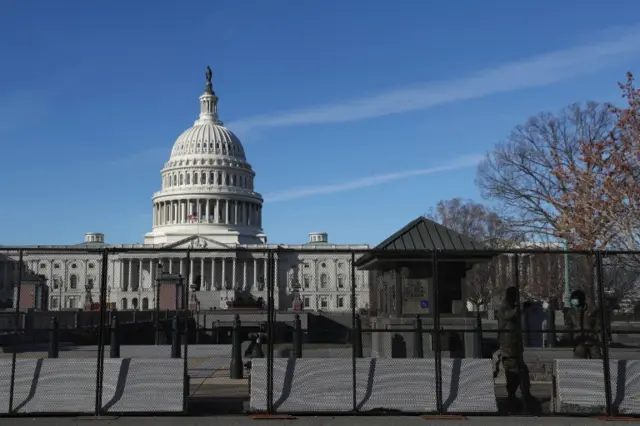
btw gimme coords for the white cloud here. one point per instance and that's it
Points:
(294, 193)
(536, 71)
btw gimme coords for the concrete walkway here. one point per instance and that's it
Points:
(309, 421)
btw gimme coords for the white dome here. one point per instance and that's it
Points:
(207, 185)
(208, 139)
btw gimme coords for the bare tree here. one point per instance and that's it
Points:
(518, 173)
(485, 225)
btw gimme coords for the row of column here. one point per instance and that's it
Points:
(220, 211)
(215, 178)
(197, 267)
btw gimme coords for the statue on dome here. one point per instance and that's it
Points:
(208, 74)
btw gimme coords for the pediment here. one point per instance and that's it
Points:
(198, 242)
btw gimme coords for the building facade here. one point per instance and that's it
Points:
(207, 200)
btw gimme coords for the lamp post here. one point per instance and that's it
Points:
(567, 289)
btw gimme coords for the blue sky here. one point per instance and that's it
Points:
(357, 116)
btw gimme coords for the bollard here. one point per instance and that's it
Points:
(115, 338)
(236, 368)
(53, 339)
(479, 337)
(357, 338)
(418, 349)
(297, 338)
(175, 339)
(257, 348)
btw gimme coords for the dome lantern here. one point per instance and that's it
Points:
(208, 103)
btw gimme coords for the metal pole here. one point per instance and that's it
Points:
(356, 342)
(520, 354)
(605, 344)
(185, 336)
(101, 331)
(270, 284)
(567, 289)
(436, 334)
(17, 328)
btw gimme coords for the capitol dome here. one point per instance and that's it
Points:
(207, 185)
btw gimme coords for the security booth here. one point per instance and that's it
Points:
(402, 287)
(34, 294)
(170, 292)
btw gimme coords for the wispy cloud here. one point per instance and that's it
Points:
(295, 193)
(536, 71)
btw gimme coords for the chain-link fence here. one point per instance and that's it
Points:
(312, 330)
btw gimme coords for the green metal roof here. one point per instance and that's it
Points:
(425, 234)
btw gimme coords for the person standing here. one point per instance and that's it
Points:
(582, 323)
(511, 347)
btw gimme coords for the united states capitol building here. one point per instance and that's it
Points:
(207, 199)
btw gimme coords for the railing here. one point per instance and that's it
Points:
(412, 347)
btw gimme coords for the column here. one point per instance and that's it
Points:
(141, 266)
(216, 218)
(213, 273)
(182, 267)
(265, 274)
(244, 275)
(203, 283)
(152, 271)
(233, 273)
(228, 211)
(236, 214)
(208, 214)
(255, 271)
(199, 211)
(128, 286)
(190, 204)
(170, 265)
(121, 276)
(224, 272)
(191, 271)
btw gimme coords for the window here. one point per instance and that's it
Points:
(55, 303)
(324, 303)
(91, 266)
(56, 266)
(340, 301)
(195, 178)
(72, 302)
(56, 283)
(323, 281)
(134, 303)
(73, 282)
(307, 281)
(324, 265)
(203, 178)
(43, 266)
(306, 302)
(340, 281)
(123, 304)
(90, 282)
(145, 304)
(74, 266)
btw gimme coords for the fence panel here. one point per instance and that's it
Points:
(54, 364)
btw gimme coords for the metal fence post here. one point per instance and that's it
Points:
(436, 334)
(356, 339)
(270, 273)
(16, 336)
(418, 348)
(479, 338)
(297, 334)
(605, 340)
(185, 334)
(101, 330)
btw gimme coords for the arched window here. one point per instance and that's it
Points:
(145, 303)
(323, 281)
(195, 178)
(73, 282)
(123, 304)
(175, 180)
(134, 303)
(203, 178)
(181, 179)
(226, 180)
(211, 179)
(219, 179)
(189, 179)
